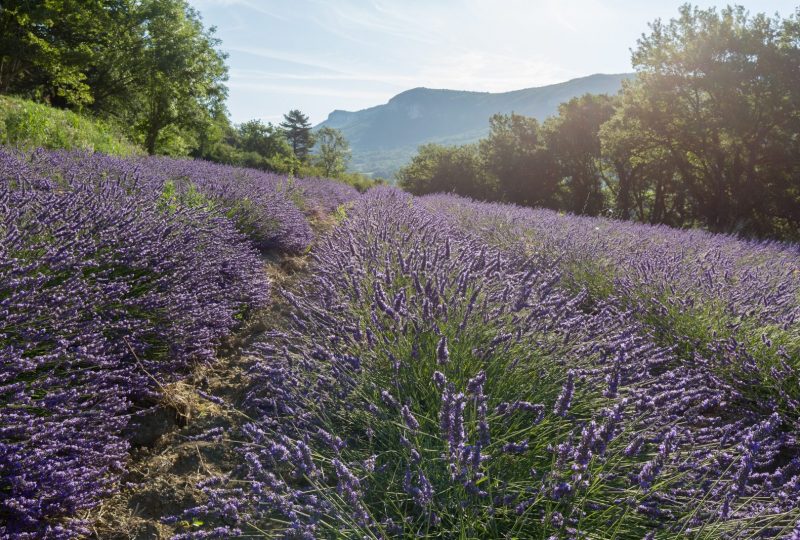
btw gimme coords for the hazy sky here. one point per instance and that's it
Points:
(320, 55)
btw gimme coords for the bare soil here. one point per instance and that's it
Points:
(167, 462)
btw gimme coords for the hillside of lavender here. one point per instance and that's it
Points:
(441, 368)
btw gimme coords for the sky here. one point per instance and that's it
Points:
(318, 56)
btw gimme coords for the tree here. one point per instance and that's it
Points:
(515, 156)
(716, 100)
(333, 152)
(264, 139)
(572, 139)
(149, 64)
(183, 73)
(297, 129)
(447, 169)
(265, 147)
(646, 183)
(50, 50)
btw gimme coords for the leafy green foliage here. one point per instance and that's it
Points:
(49, 48)
(297, 128)
(333, 152)
(252, 144)
(184, 73)
(149, 64)
(714, 108)
(30, 125)
(514, 153)
(446, 168)
(574, 147)
(521, 161)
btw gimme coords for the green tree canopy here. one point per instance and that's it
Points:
(183, 72)
(265, 139)
(149, 64)
(573, 143)
(333, 152)
(438, 168)
(297, 129)
(515, 157)
(715, 105)
(51, 50)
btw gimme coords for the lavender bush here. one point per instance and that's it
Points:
(260, 204)
(101, 289)
(726, 299)
(728, 305)
(431, 385)
(449, 368)
(324, 196)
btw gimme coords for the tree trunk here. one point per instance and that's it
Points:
(623, 192)
(151, 138)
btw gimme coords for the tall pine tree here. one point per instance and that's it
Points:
(298, 132)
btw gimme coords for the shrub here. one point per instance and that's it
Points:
(257, 202)
(26, 124)
(100, 290)
(433, 386)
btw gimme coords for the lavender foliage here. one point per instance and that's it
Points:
(449, 368)
(102, 290)
(262, 205)
(324, 196)
(472, 393)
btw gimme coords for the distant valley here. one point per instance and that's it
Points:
(385, 137)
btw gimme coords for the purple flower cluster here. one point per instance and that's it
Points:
(730, 313)
(259, 203)
(711, 293)
(469, 391)
(102, 291)
(325, 196)
(449, 368)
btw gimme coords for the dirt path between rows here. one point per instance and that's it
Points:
(169, 455)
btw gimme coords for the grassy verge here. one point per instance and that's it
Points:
(29, 125)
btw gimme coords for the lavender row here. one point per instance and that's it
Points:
(432, 386)
(259, 203)
(752, 279)
(102, 290)
(717, 296)
(324, 196)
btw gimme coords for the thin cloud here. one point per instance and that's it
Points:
(306, 90)
(303, 60)
(257, 6)
(266, 75)
(490, 72)
(346, 18)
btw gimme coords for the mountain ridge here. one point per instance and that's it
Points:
(385, 137)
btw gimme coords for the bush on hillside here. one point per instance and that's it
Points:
(29, 125)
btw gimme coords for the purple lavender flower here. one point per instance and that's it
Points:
(389, 400)
(409, 419)
(565, 397)
(105, 285)
(442, 352)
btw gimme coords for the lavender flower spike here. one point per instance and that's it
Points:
(442, 352)
(565, 397)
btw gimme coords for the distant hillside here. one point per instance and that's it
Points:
(385, 137)
(26, 124)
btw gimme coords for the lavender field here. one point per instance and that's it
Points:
(435, 368)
